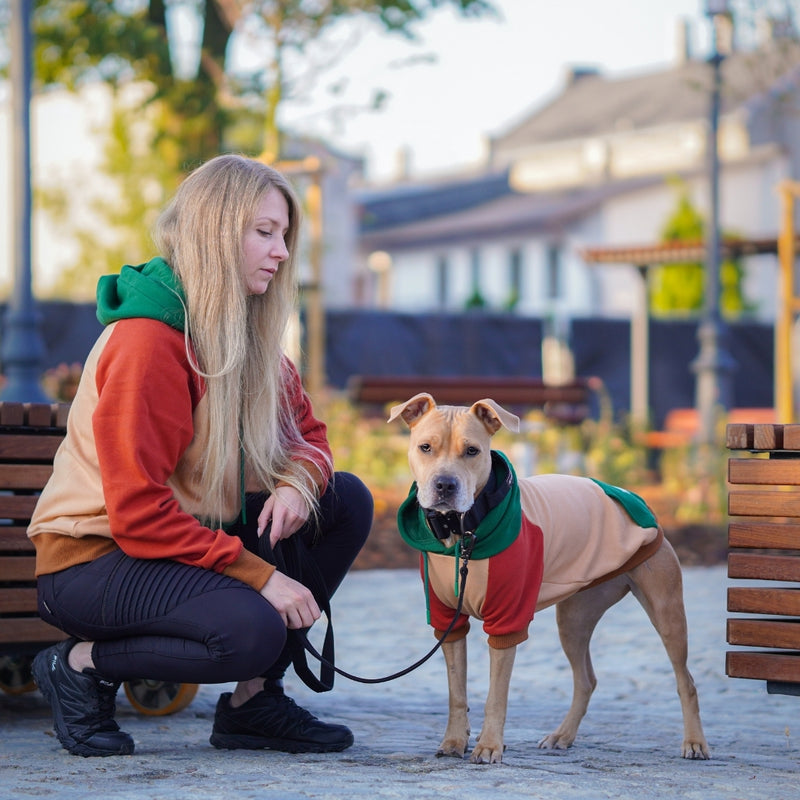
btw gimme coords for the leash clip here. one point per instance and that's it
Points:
(468, 539)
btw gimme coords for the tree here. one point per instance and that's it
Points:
(124, 42)
(679, 289)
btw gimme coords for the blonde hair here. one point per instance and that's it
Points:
(234, 338)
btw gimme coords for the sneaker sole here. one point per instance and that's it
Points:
(235, 741)
(42, 678)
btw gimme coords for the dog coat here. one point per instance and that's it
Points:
(573, 532)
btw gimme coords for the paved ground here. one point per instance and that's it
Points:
(628, 745)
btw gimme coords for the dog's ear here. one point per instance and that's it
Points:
(493, 416)
(412, 409)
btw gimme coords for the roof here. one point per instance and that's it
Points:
(383, 208)
(593, 104)
(502, 216)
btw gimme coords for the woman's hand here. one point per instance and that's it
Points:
(286, 511)
(293, 601)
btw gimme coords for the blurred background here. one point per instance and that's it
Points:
(567, 191)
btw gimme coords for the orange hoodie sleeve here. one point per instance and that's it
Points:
(142, 424)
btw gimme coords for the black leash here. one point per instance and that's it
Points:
(292, 558)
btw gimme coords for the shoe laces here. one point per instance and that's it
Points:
(103, 701)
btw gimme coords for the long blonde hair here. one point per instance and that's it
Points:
(234, 338)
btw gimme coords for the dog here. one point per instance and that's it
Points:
(564, 540)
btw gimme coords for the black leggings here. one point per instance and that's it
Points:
(163, 620)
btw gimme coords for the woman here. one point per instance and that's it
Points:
(190, 437)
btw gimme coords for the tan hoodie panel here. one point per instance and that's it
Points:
(587, 535)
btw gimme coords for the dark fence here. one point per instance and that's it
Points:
(488, 344)
(479, 343)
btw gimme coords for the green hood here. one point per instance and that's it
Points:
(498, 529)
(150, 290)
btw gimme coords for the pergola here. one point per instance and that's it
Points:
(646, 256)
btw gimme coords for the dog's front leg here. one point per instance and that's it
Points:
(489, 747)
(456, 737)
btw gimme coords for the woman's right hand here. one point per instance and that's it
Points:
(293, 601)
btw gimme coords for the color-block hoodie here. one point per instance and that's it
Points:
(550, 537)
(125, 474)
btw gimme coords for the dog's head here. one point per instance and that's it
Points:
(450, 449)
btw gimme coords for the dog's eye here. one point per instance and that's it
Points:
(472, 450)
(425, 448)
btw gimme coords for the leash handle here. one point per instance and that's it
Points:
(330, 665)
(291, 557)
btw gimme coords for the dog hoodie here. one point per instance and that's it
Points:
(568, 533)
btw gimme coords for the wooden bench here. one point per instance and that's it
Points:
(566, 404)
(29, 437)
(764, 546)
(681, 425)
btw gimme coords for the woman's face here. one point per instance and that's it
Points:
(263, 243)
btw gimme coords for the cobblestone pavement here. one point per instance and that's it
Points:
(628, 745)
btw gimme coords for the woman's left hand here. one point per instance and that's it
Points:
(286, 511)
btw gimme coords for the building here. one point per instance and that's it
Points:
(593, 166)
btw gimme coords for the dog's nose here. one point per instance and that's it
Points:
(446, 486)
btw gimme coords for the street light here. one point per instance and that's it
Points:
(23, 346)
(714, 365)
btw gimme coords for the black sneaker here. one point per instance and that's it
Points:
(270, 720)
(83, 705)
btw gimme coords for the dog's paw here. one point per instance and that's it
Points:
(452, 748)
(487, 753)
(556, 741)
(697, 751)
(442, 753)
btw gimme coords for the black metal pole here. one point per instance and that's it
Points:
(23, 346)
(714, 364)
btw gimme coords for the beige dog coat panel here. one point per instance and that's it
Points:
(572, 534)
(586, 534)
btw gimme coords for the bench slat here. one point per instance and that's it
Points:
(763, 503)
(28, 629)
(14, 539)
(763, 666)
(764, 633)
(17, 506)
(22, 447)
(766, 535)
(766, 567)
(465, 390)
(776, 472)
(17, 569)
(17, 600)
(759, 600)
(24, 476)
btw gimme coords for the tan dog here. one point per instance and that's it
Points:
(592, 554)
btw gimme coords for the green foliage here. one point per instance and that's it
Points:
(679, 289)
(125, 42)
(141, 166)
(475, 301)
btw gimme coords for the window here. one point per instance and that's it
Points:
(515, 286)
(554, 279)
(476, 298)
(442, 287)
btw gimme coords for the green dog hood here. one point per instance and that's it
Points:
(496, 531)
(150, 290)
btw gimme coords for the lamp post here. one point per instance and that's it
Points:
(714, 365)
(23, 345)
